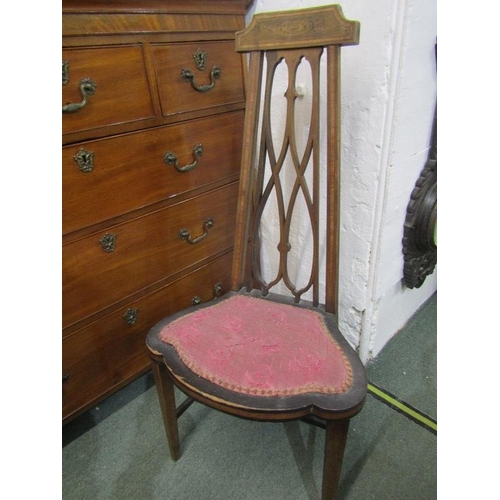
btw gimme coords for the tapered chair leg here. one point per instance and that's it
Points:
(166, 397)
(335, 440)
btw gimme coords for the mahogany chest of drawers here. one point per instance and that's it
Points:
(152, 121)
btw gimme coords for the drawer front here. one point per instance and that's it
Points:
(103, 268)
(107, 353)
(106, 178)
(175, 62)
(121, 87)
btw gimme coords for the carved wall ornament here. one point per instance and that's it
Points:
(419, 245)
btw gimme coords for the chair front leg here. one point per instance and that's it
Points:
(335, 440)
(166, 396)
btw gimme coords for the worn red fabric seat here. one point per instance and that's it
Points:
(256, 346)
(253, 353)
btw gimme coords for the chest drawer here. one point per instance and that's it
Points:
(101, 269)
(179, 71)
(105, 354)
(120, 91)
(108, 177)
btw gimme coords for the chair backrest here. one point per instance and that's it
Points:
(290, 38)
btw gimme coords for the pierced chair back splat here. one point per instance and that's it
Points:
(254, 353)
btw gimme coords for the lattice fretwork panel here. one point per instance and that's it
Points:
(289, 184)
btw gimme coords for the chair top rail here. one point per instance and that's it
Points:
(312, 27)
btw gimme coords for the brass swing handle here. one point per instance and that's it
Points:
(87, 88)
(188, 77)
(171, 159)
(184, 234)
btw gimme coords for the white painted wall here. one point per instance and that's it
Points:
(388, 99)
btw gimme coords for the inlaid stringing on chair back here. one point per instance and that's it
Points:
(291, 38)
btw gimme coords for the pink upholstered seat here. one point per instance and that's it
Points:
(255, 346)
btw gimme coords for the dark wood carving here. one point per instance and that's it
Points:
(419, 245)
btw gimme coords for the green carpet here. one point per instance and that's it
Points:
(119, 450)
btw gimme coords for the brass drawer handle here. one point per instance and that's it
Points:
(130, 316)
(171, 159)
(184, 234)
(85, 160)
(87, 88)
(188, 77)
(200, 60)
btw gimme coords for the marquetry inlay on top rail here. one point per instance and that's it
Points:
(315, 27)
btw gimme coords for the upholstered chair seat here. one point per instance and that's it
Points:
(260, 347)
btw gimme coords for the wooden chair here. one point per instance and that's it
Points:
(253, 353)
